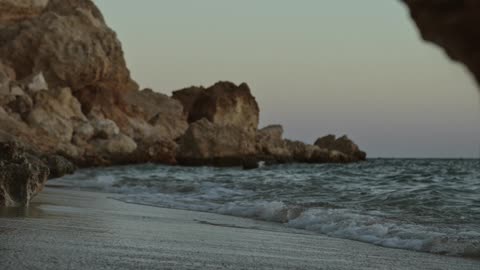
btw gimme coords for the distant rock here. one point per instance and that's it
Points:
(207, 143)
(343, 145)
(224, 103)
(271, 145)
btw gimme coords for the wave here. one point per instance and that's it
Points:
(376, 203)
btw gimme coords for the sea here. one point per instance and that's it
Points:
(426, 205)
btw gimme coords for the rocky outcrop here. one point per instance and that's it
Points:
(224, 103)
(65, 88)
(452, 25)
(23, 175)
(163, 114)
(17, 10)
(66, 40)
(342, 149)
(207, 143)
(271, 146)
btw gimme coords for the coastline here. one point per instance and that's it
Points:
(91, 231)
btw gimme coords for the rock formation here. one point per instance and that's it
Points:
(341, 146)
(207, 143)
(224, 103)
(65, 90)
(23, 174)
(271, 146)
(453, 25)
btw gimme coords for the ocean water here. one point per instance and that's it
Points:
(423, 205)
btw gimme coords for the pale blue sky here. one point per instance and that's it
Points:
(315, 66)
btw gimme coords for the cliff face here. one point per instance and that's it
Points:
(453, 25)
(65, 87)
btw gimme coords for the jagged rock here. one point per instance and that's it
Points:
(343, 145)
(326, 142)
(16, 10)
(452, 25)
(58, 166)
(206, 143)
(223, 104)
(250, 163)
(158, 151)
(119, 144)
(54, 112)
(6, 76)
(84, 132)
(164, 115)
(70, 43)
(105, 128)
(22, 176)
(35, 83)
(271, 145)
(188, 97)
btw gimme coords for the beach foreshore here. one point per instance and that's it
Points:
(65, 229)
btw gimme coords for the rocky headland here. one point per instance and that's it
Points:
(67, 99)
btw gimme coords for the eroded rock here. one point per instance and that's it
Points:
(271, 145)
(223, 104)
(206, 143)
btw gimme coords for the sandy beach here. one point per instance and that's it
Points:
(81, 230)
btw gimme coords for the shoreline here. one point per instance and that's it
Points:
(91, 231)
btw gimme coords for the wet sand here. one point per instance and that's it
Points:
(82, 230)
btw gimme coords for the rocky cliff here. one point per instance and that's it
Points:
(65, 88)
(66, 91)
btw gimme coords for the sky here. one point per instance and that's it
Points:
(316, 67)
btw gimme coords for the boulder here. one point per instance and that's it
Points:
(104, 129)
(271, 145)
(58, 166)
(163, 114)
(22, 176)
(223, 104)
(207, 143)
(119, 144)
(156, 151)
(343, 145)
(54, 112)
(188, 97)
(34, 83)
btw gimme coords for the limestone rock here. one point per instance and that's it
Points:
(70, 43)
(35, 83)
(22, 176)
(270, 143)
(119, 144)
(223, 104)
(105, 128)
(16, 10)
(54, 111)
(163, 114)
(206, 143)
(343, 145)
(58, 166)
